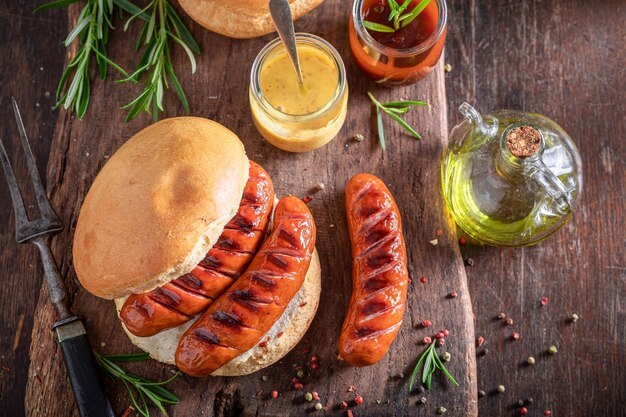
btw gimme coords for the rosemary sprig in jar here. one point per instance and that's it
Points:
(394, 109)
(140, 390)
(399, 16)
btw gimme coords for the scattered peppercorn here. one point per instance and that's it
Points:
(529, 400)
(481, 393)
(343, 404)
(264, 378)
(520, 403)
(308, 396)
(358, 137)
(545, 301)
(479, 341)
(358, 399)
(445, 332)
(552, 350)
(500, 389)
(441, 342)
(509, 321)
(453, 294)
(274, 394)
(574, 318)
(314, 358)
(351, 388)
(501, 316)
(469, 262)
(547, 413)
(515, 336)
(462, 241)
(318, 406)
(447, 68)
(426, 323)
(439, 335)
(349, 413)
(441, 410)
(446, 356)
(422, 400)
(320, 186)
(427, 340)
(439, 232)
(314, 366)
(298, 385)
(307, 199)
(315, 395)
(423, 280)
(523, 411)
(530, 360)
(434, 242)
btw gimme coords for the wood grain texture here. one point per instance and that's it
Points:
(564, 59)
(30, 65)
(410, 168)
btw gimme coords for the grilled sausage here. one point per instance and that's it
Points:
(240, 317)
(379, 272)
(180, 300)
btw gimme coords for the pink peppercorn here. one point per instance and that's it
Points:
(427, 340)
(545, 301)
(423, 280)
(523, 411)
(426, 323)
(358, 399)
(344, 404)
(298, 385)
(547, 413)
(515, 336)
(314, 366)
(315, 395)
(439, 232)
(445, 332)
(462, 241)
(439, 335)
(274, 394)
(441, 342)
(314, 358)
(454, 294)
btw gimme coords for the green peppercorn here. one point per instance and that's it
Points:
(530, 360)
(422, 400)
(441, 410)
(308, 396)
(552, 350)
(481, 393)
(446, 356)
(574, 318)
(264, 378)
(300, 373)
(500, 389)
(318, 406)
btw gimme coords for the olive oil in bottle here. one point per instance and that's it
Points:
(510, 178)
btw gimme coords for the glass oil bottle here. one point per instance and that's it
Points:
(510, 178)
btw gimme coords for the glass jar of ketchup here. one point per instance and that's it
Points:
(405, 56)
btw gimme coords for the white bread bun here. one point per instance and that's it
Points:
(158, 205)
(240, 18)
(292, 325)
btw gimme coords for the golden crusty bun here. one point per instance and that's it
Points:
(158, 205)
(240, 18)
(292, 325)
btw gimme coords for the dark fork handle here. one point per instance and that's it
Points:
(82, 369)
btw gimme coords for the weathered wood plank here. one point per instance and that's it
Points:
(565, 60)
(410, 168)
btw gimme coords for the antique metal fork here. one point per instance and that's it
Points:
(79, 359)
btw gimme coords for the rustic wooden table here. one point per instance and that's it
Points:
(564, 59)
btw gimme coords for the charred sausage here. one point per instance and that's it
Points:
(379, 272)
(180, 300)
(240, 317)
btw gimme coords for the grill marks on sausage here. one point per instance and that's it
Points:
(249, 225)
(278, 260)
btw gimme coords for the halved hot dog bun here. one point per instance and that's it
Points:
(291, 327)
(240, 18)
(158, 205)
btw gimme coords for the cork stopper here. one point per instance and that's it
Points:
(523, 141)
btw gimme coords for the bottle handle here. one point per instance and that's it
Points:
(551, 184)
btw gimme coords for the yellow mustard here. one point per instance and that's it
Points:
(292, 117)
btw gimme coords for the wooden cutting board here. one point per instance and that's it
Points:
(410, 168)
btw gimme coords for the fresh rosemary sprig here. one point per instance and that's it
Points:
(162, 26)
(432, 363)
(399, 16)
(139, 389)
(92, 32)
(394, 109)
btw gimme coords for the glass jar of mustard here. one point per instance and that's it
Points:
(294, 117)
